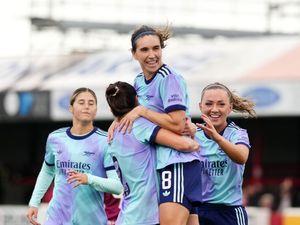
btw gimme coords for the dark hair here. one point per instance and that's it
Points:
(80, 90)
(121, 98)
(162, 33)
(239, 104)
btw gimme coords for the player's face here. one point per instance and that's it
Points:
(216, 105)
(148, 53)
(84, 108)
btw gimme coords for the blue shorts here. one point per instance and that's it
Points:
(210, 214)
(181, 183)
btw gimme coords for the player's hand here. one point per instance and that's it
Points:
(208, 128)
(194, 146)
(31, 215)
(126, 122)
(110, 133)
(189, 128)
(77, 178)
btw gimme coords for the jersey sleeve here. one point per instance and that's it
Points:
(241, 137)
(49, 156)
(173, 93)
(43, 182)
(107, 159)
(145, 131)
(111, 184)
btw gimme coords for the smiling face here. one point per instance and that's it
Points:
(148, 53)
(84, 108)
(215, 103)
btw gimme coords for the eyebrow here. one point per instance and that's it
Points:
(214, 101)
(147, 47)
(89, 100)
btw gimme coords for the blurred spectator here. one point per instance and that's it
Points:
(288, 195)
(252, 194)
(267, 200)
(285, 193)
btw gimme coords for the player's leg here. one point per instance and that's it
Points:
(173, 213)
(193, 220)
(175, 208)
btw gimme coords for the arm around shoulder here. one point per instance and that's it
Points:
(174, 121)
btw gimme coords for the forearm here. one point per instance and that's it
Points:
(174, 121)
(43, 182)
(111, 184)
(187, 144)
(237, 153)
(178, 142)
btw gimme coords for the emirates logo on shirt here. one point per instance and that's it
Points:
(214, 168)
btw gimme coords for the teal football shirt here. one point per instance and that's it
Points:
(87, 154)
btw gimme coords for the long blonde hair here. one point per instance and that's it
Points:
(239, 104)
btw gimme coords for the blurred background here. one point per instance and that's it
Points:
(48, 48)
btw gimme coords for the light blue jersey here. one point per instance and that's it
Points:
(221, 177)
(134, 157)
(88, 154)
(164, 93)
